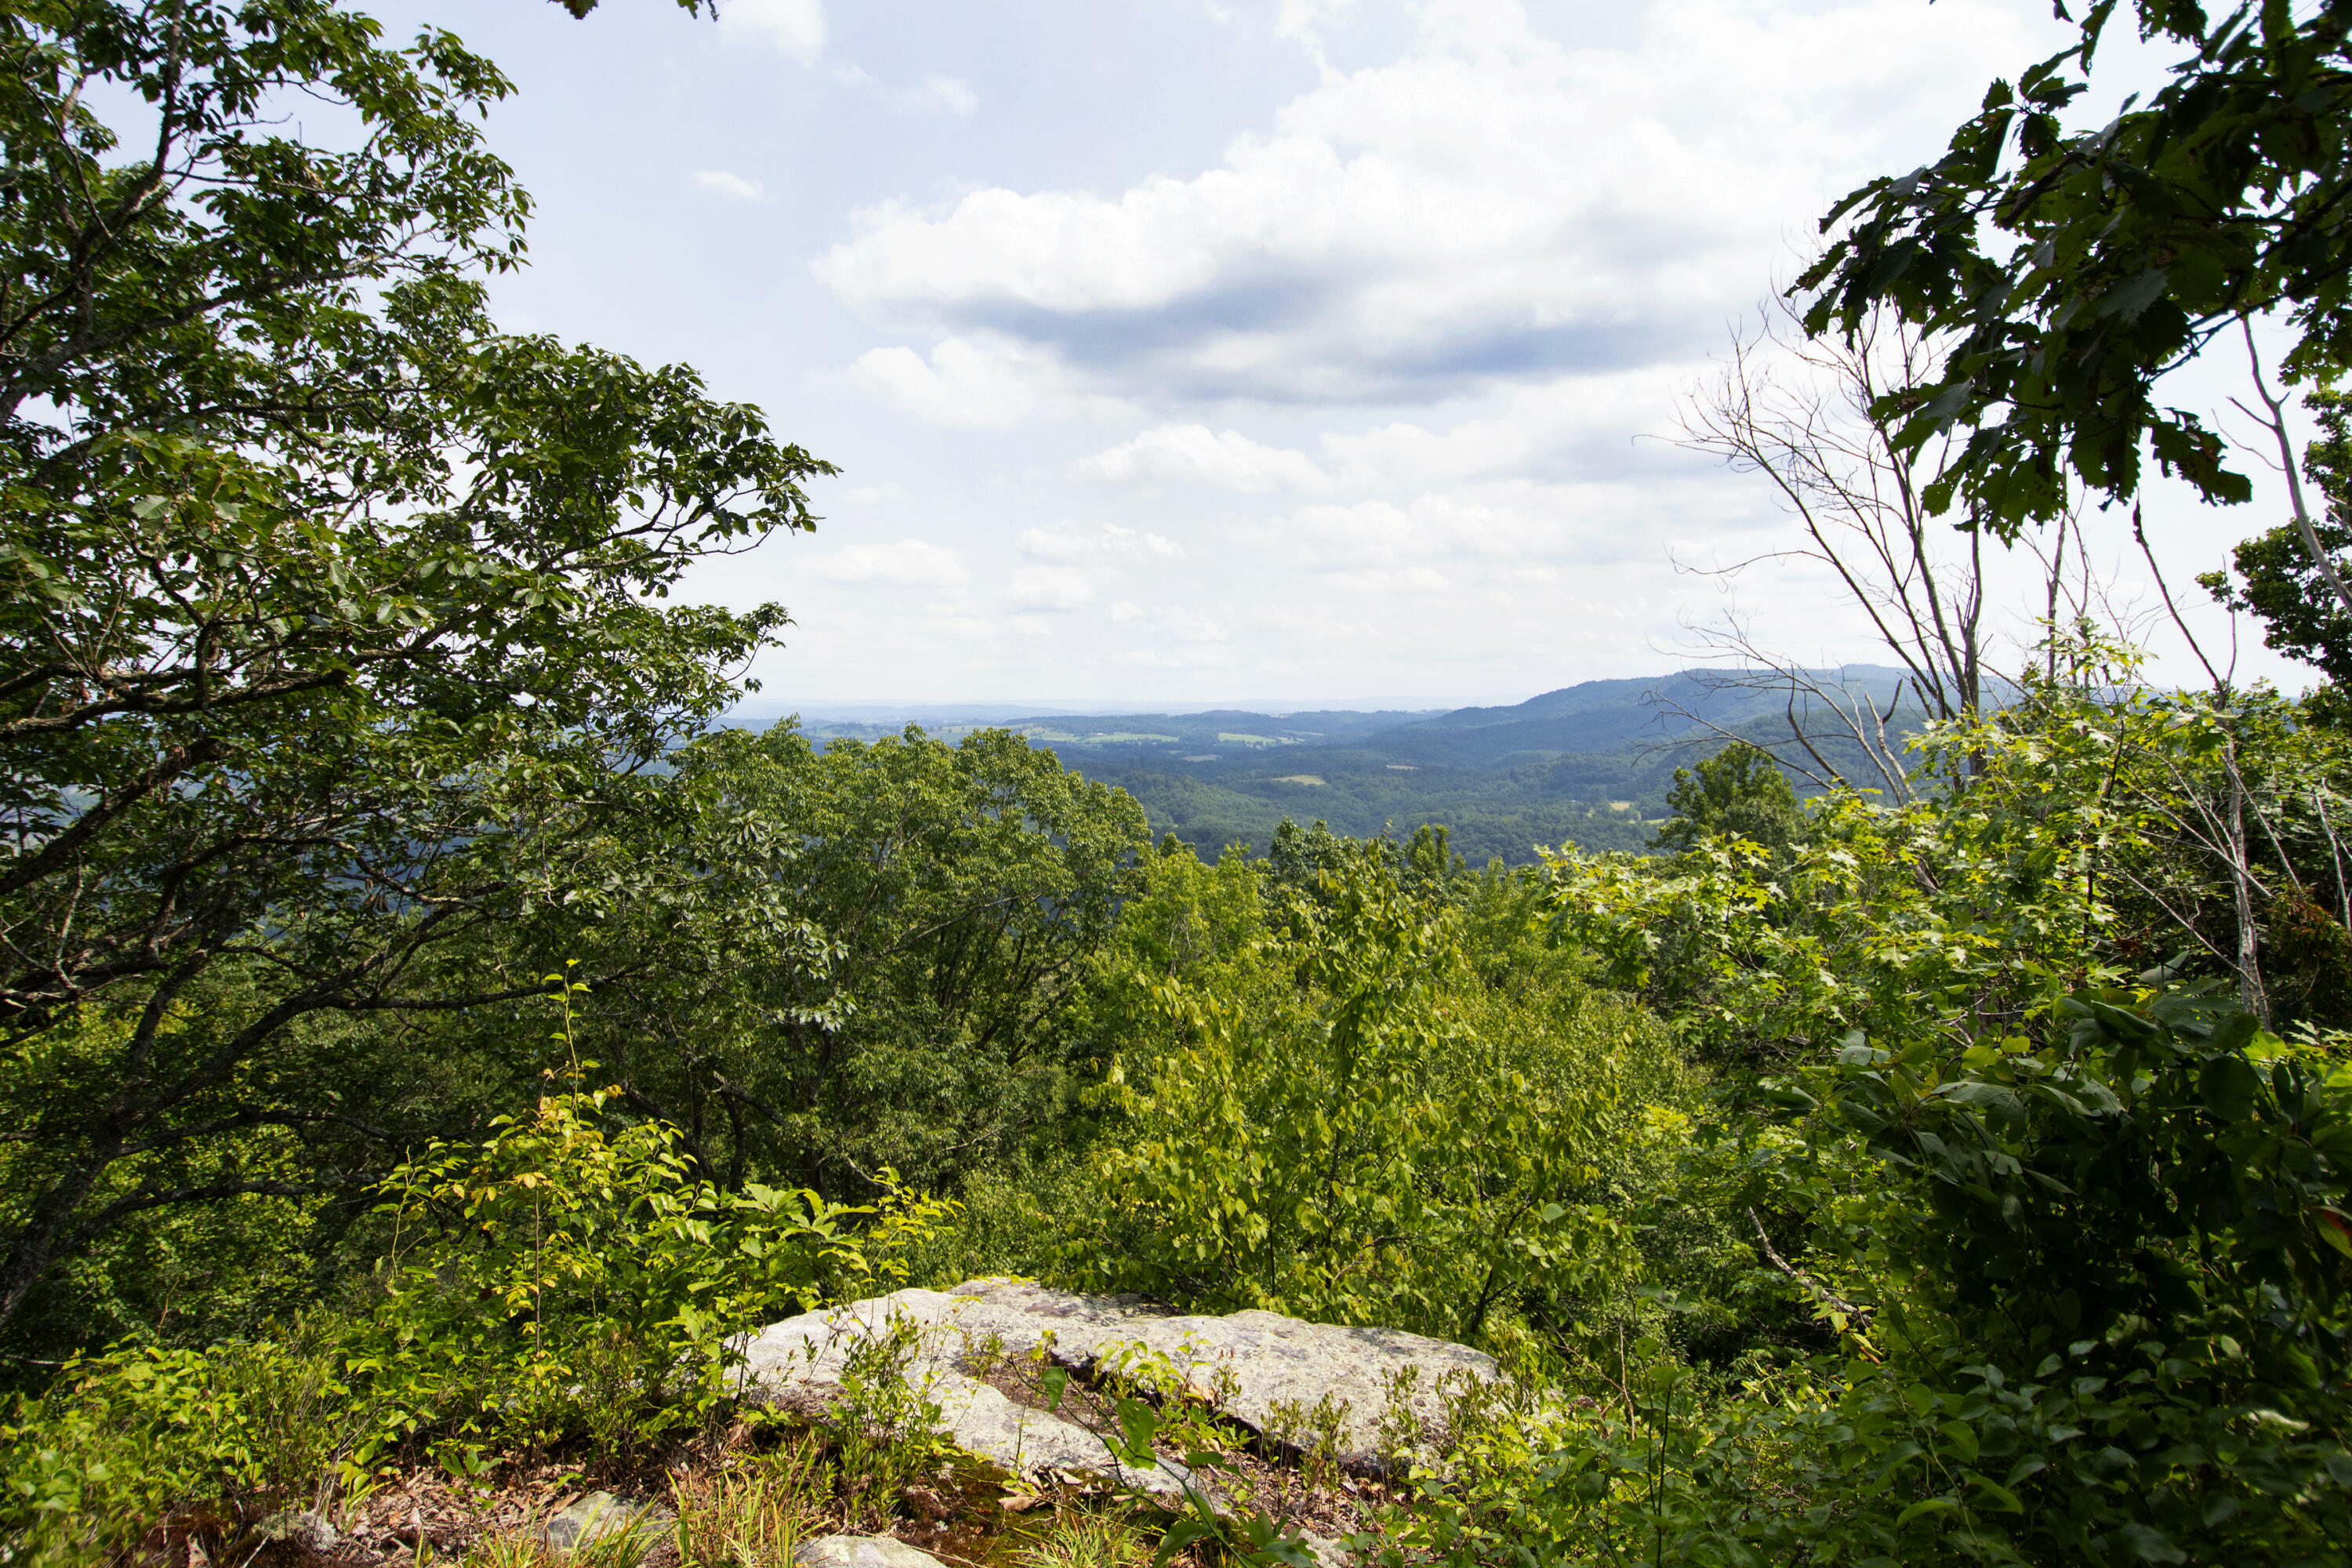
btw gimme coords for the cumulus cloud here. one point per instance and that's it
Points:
(1390, 350)
(963, 381)
(1584, 425)
(1225, 458)
(1494, 206)
(910, 563)
(734, 187)
(1105, 541)
(793, 29)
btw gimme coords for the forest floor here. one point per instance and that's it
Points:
(745, 1499)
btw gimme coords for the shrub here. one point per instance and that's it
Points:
(1351, 1123)
(121, 1437)
(563, 1278)
(567, 1278)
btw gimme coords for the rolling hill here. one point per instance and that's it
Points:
(1588, 765)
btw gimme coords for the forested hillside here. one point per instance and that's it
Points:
(434, 1045)
(1588, 765)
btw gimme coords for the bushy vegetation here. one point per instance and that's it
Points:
(431, 1046)
(1370, 1095)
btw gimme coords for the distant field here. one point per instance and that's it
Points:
(1091, 737)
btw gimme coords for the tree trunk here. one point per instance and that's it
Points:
(32, 1251)
(2251, 992)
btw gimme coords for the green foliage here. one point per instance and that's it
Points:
(2096, 842)
(824, 963)
(2074, 268)
(1502, 812)
(1348, 1122)
(1077, 1539)
(2109, 1319)
(752, 1514)
(569, 1278)
(565, 1280)
(1851, 1463)
(2080, 1239)
(885, 1430)
(2159, 1162)
(2282, 586)
(121, 1437)
(332, 621)
(1739, 793)
(338, 688)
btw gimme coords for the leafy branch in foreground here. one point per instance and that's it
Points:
(2073, 269)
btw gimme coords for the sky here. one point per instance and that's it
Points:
(1283, 353)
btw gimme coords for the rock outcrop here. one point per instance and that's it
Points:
(1369, 1393)
(599, 1517)
(861, 1552)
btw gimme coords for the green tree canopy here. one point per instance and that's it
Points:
(821, 964)
(333, 616)
(1740, 792)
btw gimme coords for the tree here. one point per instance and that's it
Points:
(853, 959)
(333, 618)
(2284, 584)
(1807, 416)
(2075, 269)
(1740, 792)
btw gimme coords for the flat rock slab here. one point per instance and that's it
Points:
(1380, 1390)
(800, 1364)
(861, 1552)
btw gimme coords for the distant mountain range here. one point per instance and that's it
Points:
(1588, 765)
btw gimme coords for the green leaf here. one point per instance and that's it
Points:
(1924, 1508)
(2148, 1543)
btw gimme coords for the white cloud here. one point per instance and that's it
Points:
(1406, 580)
(1048, 588)
(793, 29)
(734, 187)
(1385, 326)
(964, 381)
(910, 563)
(1106, 541)
(935, 94)
(1225, 458)
(1494, 206)
(979, 380)
(1573, 423)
